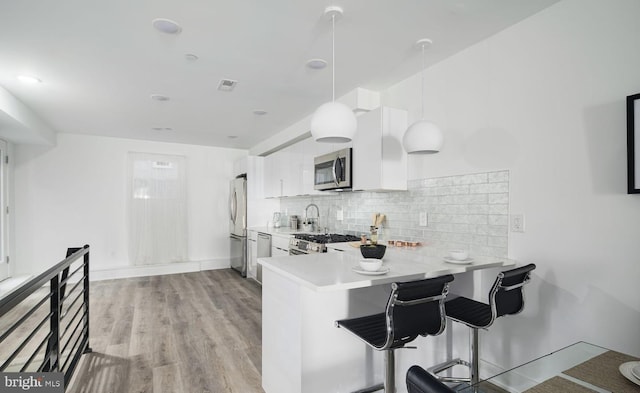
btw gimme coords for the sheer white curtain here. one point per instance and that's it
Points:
(157, 208)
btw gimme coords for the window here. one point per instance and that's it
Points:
(157, 209)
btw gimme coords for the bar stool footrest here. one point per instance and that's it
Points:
(438, 368)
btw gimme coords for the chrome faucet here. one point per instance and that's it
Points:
(306, 210)
(314, 222)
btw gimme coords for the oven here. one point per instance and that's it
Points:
(333, 171)
(307, 243)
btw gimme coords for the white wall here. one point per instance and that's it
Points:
(74, 194)
(545, 99)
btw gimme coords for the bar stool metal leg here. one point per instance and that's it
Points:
(390, 376)
(475, 358)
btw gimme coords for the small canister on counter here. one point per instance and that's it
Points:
(293, 222)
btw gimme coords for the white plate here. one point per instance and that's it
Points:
(636, 371)
(458, 261)
(382, 271)
(627, 369)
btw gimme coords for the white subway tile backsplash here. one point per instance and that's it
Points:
(475, 178)
(468, 199)
(488, 188)
(482, 229)
(498, 209)
(497, 241)
(479, 240)
(498, 230)
(498, 198)
(477, 219)
(478, 209)
(465, 211)
(498, 220)
(498, 177)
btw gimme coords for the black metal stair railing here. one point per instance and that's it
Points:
(43, 326)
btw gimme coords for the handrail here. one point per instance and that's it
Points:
(62, 315)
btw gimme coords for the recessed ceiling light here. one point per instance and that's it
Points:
(159, 97)
(227, 84)
(259, 112)
(191, 57)
(29, 79)
(316, 64)
(166, 26)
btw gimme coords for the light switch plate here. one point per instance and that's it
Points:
(340, 215)
(516, 223)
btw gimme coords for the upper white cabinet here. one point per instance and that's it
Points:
(379, 161)
(283, 173)
(273, 176)
(289, 172)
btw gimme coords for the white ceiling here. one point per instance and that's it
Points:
(100, 61)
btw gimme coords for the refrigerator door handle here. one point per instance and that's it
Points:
(233, 206)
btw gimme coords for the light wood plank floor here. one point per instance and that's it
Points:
(182, 333)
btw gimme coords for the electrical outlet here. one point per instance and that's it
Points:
(339, 215)
(423, 219)
(517, 222)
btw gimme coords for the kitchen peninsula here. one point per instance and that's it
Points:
(302, 296)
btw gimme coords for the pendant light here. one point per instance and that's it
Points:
(422, 137)
(333, 122)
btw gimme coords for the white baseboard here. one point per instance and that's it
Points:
(158, 270)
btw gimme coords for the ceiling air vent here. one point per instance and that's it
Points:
(227, 84)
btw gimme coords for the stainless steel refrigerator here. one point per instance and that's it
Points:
(238, 224)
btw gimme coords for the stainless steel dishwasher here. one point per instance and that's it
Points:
(264, 251)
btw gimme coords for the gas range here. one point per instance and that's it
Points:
(305, 243)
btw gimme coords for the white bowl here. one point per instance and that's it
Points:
(371, 264)
(459, 255)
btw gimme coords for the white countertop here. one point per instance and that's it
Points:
(333, 271)
(282, 231)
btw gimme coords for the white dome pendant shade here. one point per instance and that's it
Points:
(422, 137)
(333, 122)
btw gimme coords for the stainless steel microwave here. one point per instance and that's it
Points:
(333, 171)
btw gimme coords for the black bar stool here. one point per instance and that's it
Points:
(414, 308)
(506, 297)
(420, 381)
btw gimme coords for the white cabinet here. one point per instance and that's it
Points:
(252, 255)
(283, 173)
(289, 172)
(255, 177)
(272, 178)
(379, 160)
(279, 245)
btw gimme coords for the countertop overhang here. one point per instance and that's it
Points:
(333, 271)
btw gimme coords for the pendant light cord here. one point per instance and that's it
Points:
(333, 56)
(422, 86)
